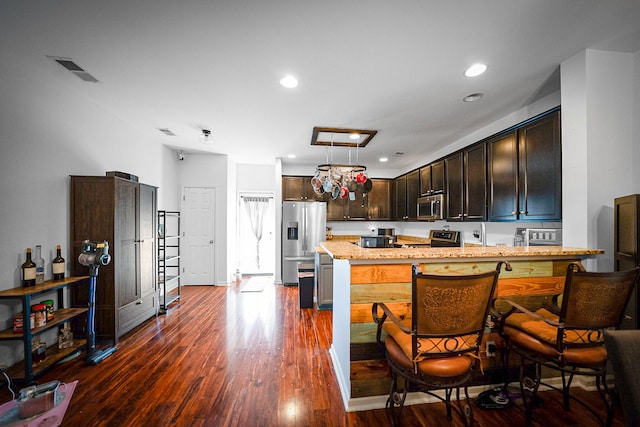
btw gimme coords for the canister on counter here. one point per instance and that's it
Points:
(50, 313)
(40, 312)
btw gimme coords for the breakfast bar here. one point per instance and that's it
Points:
(362, 276)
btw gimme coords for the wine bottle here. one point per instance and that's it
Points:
(58, 265)
(28, 271)
(39, 261)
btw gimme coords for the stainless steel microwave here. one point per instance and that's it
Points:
(430, 208)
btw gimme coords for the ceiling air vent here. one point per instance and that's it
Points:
(166, 131)
(74, 68)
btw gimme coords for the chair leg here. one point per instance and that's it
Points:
(447, 402)
(466, 410)
(529, 389)
(395, 400)
(607, 397)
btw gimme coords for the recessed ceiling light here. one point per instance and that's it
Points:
(354, 136)
(475, 70)
(289, 82)
(473, 97)
(291, 156)
(383, 159)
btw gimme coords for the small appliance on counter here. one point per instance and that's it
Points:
(376, 241)
(390, 232)
(445, 239)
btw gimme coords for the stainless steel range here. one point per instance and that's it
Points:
(444, 238)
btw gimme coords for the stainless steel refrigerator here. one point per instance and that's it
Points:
(303, 228)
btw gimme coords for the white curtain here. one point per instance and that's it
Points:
(256, 209)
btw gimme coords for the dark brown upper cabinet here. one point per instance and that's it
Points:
(299, 188)
(375, 204)
(432, 178)
(525, 172)
(466, 188)
(407, 191)
(380, 199)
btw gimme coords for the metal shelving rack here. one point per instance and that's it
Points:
(168, 257)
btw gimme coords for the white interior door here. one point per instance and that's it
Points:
(198, 237)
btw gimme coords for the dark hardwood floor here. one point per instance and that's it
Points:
(222, 357)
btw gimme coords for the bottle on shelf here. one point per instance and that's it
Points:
(28, 271)
(39, 265)
(58, 265)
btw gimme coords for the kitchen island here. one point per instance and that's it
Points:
(363, 276)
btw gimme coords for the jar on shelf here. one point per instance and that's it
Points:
(49, 309)
(40, 313)
(38, 351)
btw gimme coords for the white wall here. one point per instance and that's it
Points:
(600, 140)
(42, 144)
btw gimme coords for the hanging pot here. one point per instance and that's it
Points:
(344, 192)
(352, 185)
(367, 186)
(327, 185)
(335, 192)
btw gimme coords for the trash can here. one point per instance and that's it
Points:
(305, 285)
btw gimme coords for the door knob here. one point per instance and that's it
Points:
(211, 241)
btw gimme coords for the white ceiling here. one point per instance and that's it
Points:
(391, 66)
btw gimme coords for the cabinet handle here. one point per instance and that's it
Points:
(513, 212)
(522, 213)
(138, 302)
(459, 215)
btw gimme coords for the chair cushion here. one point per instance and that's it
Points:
(578, 356)
(442, 367)
(543, 330)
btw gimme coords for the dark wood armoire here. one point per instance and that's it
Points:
(124, 213)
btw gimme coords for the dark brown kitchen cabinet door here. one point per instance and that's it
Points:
(359, 207)
(413, 193)
(437, 176)
(540, 165)
(380, 199)
(336, 209)
(475, 183)
(425, 180)
(401, 198)
(503, 177)
(292, 188)
(454, 191)
(299, 188)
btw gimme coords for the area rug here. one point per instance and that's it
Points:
(256, 283)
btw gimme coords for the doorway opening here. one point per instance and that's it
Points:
(256, 233)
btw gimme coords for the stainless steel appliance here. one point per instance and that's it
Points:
(543, 237)
(444, 238)
(391, 232)
(376, 241)
(430, 208)
(303, 228)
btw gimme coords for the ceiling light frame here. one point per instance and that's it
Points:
(365, 137)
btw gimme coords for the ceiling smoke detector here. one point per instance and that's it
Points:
(206, 137)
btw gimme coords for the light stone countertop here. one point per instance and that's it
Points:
(347, 250)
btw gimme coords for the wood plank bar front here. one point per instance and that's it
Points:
(387, 280)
